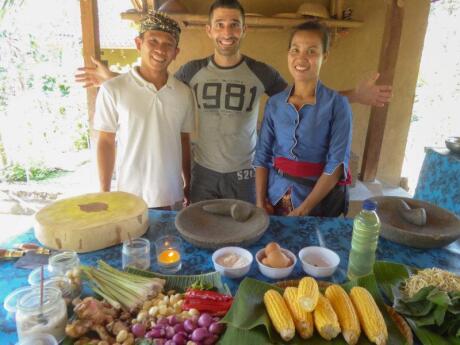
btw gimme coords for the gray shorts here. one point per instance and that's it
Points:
(208, 184)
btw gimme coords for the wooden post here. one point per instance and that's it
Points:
(339, 9)
(332, 8)
(152, 4)
(387, 65)
(91, 47)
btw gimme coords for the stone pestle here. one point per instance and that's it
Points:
(416, 216)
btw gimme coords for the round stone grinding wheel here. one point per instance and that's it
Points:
(208, 230)
(442, 227)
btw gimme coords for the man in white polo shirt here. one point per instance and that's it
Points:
(144, 118)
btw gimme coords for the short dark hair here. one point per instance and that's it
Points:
(314, 26)
(232, 4)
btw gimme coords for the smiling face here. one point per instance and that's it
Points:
(157, 49)
(305, 56)
(226, 29)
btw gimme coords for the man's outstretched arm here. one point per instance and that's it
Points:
(367, 92)
(94, 76)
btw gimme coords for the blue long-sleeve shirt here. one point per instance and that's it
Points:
(317, 133)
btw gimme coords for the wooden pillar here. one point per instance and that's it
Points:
(152, 4)
(91, 47)
(387, 63)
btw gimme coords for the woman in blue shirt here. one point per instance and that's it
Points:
(303, 147)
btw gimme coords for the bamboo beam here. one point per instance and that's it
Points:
(137, 5)
(186, 20)
(91, 47)
(332, 8)
(152, 4)
(339, 9)
(387, 64)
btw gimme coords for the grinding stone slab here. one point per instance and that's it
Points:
(207, 230)
(441, 229)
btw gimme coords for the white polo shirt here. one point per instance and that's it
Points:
(148, 125)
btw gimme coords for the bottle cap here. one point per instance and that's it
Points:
(369, 205)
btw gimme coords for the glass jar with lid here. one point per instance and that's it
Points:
(58, 281)
(67, 264)
(33, 318)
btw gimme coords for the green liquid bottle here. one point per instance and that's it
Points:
(366, 229)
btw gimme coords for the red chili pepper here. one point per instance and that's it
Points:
(207, 302)
(213, 308)
(208, 295)
(192, 303)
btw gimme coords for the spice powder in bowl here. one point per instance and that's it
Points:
(319, 262)
(232, 262)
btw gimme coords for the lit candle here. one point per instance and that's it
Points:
(169, 256)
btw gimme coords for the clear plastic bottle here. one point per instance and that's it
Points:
(366, 229)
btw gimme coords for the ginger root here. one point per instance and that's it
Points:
(78, 328)
(87, 341)
(102, 333)
(115, 327)
(94, 310)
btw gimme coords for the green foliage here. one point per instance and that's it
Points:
(49, 83)
(6, 5)
(433, 315)
(432, 308)
(17, 173)
(82, 141)
(41, 115)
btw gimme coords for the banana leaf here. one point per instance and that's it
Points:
(249, 324)
(182, 282)
(389, 276)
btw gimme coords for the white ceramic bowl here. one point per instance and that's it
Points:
(228, 271)
(319, 262)
(275, 273)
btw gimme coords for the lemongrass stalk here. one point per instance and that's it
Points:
(126, 296)
(126, 282)
(127, 289)
(113, 291)
(109, 299)
(132, 277)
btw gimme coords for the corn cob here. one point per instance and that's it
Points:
(308, 293)
(369, 315)
(303, 320)
(279, 314)
(326, 320)
(343, 307)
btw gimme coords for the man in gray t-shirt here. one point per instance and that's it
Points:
(227, 87)
(228, 106)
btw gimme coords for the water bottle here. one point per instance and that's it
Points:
(366, 229)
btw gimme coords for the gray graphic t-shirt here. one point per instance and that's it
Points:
(228, 105)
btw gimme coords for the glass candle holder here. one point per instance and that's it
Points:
(168, 252)
(136, 253)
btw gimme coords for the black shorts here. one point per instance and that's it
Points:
(207, 184)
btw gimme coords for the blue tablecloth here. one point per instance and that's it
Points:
(439, 180)
(292, 233)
